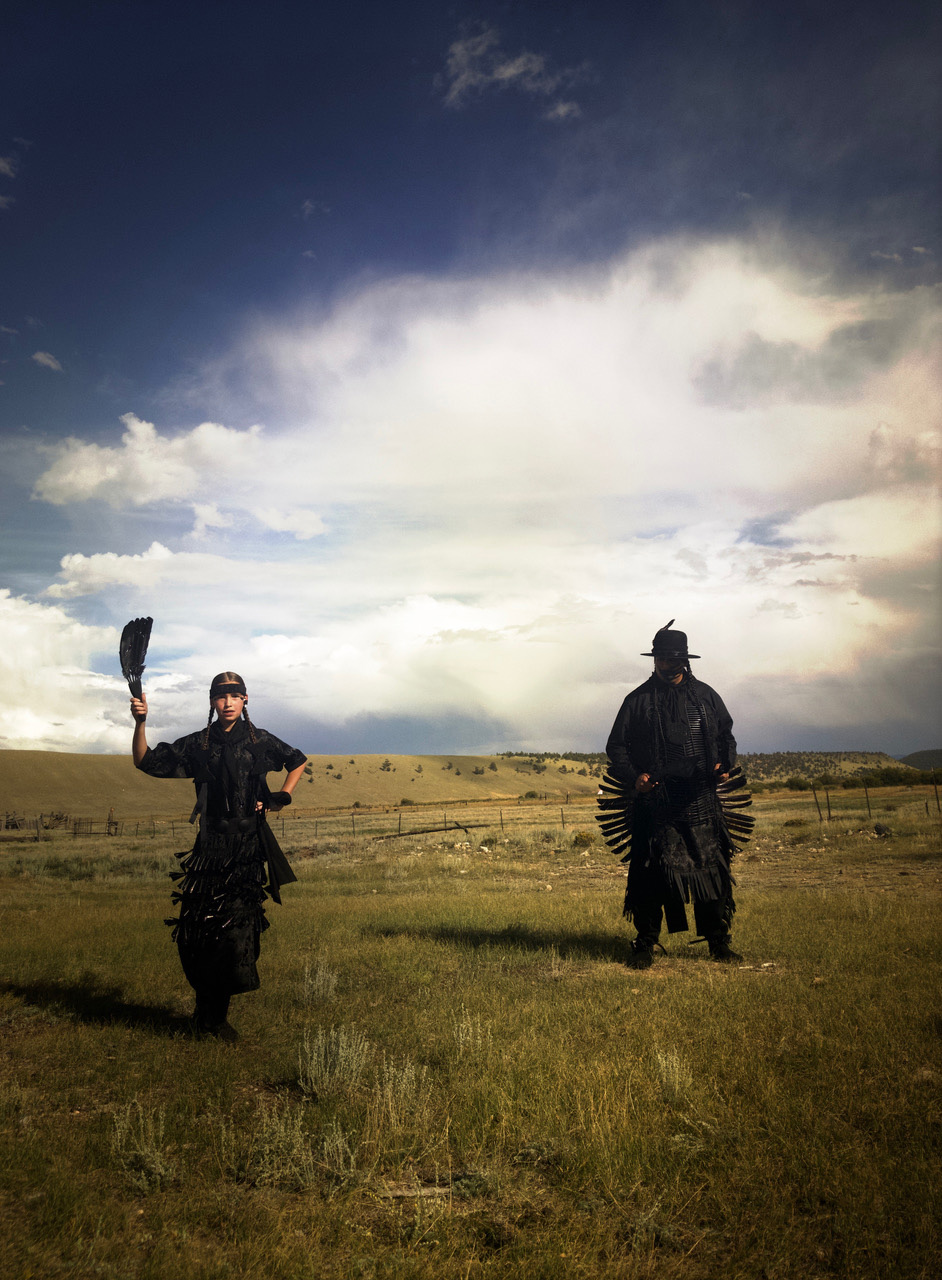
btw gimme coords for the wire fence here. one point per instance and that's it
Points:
(298, 826)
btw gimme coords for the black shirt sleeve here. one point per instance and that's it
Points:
(617, 747)
(725, 739)
(169, 760)
(278, 755)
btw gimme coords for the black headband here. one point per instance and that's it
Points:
(229, 686)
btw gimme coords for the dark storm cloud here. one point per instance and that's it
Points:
(758, 116)
(763, 372)
(400, 734)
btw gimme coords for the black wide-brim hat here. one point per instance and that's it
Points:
(669, 644)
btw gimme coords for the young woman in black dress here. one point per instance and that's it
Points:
(221, 884)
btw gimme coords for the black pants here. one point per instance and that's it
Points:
(712, 918)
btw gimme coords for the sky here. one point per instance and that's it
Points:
(420, 361)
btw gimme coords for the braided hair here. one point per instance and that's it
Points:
(218, 684)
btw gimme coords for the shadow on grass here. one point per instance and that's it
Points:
(566, 944)
(90, 1001)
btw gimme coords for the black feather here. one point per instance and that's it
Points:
(616, 802)
(133, 650)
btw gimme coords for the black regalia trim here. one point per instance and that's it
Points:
(616, 802)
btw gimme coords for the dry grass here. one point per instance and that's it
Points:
(33, 782)
(449, 1070)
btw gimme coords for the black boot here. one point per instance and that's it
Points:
(642, 954)
(210, 1017)
(721, 951)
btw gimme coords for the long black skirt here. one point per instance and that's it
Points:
(220, 893)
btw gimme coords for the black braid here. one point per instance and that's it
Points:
(245, 717)
(205, 739)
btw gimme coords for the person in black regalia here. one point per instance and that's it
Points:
(221, 884)
(671, 745)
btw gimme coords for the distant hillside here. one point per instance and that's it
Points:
(776, 766)
(923, 759)
(33, 782)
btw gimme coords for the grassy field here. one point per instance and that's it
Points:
(450, 1072)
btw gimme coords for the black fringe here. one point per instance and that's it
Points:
(616, 809)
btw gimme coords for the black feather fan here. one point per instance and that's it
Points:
(133, 650)
(616, 801)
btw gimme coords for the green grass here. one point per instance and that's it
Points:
(449, 1071)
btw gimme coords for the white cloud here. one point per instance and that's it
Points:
(303, 524)
(47, 361)
(563, 111)
(8, 166)
(88, 575)
(902, 525)
(208, 516)
(569, 386)
(476, 63)
(53, 699)
(6, 201)
(499, 488)
(149, 468)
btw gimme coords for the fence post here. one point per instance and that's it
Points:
(815, 794)
(353, 822)
(562, 818)
(937, 805)
(827, 801)
(501, 819)
(400, 822)
(867, 798)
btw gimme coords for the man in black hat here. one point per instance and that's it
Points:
(671, 744)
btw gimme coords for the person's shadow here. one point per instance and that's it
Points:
(566, 945)
(89, 1000)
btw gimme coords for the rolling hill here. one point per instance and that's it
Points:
(33, 782)
(924, 759)
(776, 766)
